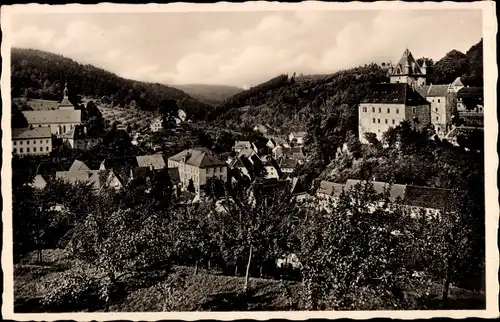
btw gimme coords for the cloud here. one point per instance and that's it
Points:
(250, 50)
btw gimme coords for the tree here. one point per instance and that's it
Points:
(353, 253)
(18, 120)
(255, 222)
(191, 187)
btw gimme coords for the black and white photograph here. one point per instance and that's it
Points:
(249, 157)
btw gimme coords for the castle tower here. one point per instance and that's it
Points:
(424, 68)
(407, 70)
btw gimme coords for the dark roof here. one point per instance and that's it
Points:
(470, 92)
(199, 157)
(395, 93)
(53, 116)
(462, 130)
(34, 133)
(330, 188)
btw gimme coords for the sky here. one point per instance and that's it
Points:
(244, 48)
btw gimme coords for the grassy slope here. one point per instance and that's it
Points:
(208, 291)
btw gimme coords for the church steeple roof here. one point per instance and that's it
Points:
(407, 65)
(65, 101)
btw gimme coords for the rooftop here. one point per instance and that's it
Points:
(157, 161)
(470, 92)
(330, 188)
(395, 93)
(50, 117)
(199, 157)
(34, 133)
(407, 60)
(78, 166)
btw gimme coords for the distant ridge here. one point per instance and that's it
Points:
(210, 93)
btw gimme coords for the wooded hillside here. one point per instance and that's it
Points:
(39, 74)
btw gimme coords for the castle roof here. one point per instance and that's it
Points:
(407, 60)
(432, 90)
(395, 93)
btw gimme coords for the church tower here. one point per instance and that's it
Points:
(407, 70)
(65, 103)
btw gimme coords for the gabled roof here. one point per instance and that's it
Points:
(78, 166)
(242, 144)
(437, 91)
(34, 133)
(157, 161)
(330, 188)
(407, 60)
(248, 152)
(199, 157)
(50, 117)
(90, 176)
(395, 93)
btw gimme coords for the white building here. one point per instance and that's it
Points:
(32, 141)
(59, 121)
(156, 125)
(197, 166)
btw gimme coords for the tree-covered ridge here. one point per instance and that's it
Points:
(39, 74)
(208, 93)
(468, 66)
(289, 104)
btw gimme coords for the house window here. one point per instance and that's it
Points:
(47, 148)
(373, 120)
(388, 111)
(34, 149)
(436, 109)
(385, 121)
(439, 101)
(21, 150)
(397, 111)
(380, 110)
(378, 120)
(393, 122)
(27, 150)
(373, 109)
(41, 141)
(15, 142)
(437, 118)
(15, 150)
(46, 141)
(414, 110)
(364, 109)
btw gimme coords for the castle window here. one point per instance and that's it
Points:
(46, 141)
(47, 148)
(380, 110)
(378, 120)
(373, 120)
(27, 150)
(34, 142)
(439, 101)
(414, 110)
(397, 111)
(436, 109)
(385, 121)
(21, 150)
(15, 150)
(34, 149)
(437, 118)
(373, 109)
(21, 142)
(393, 122)
(15, 142)
(388, 111)
(41, 141)
(364, 109)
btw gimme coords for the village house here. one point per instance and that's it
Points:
(31, 141)
(79, 138)
(156, 125)
(152, 161)
(241, 145)
(196, 166)
(456, 85)
(98, 179)
(297, 137)
(387, 105)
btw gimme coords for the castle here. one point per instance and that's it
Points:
(407, 98)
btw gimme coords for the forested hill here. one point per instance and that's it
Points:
(288, 102)
(39, 74)
(211, 94)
